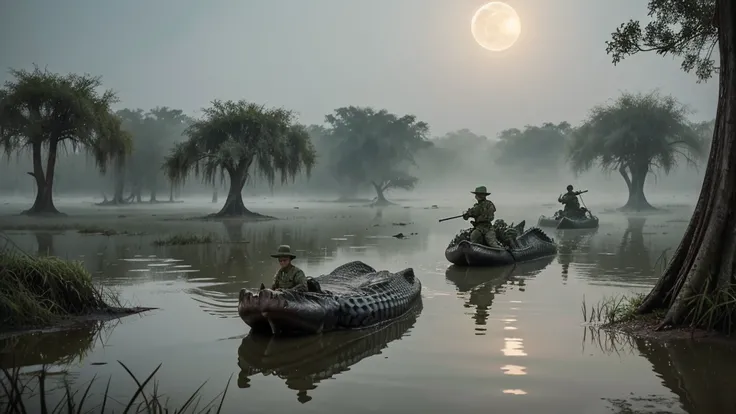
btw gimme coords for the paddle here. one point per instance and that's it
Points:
(583, 202)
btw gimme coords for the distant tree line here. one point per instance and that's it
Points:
(66, 120)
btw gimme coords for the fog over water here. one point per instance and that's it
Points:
(509, 339)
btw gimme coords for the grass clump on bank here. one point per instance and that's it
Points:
(98, 230)
(184, 239)
(714, 310)
(613, 310)
(19, 394)
(38, 291)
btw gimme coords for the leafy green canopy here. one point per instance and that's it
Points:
(636, 131)
(680, 27)
(234, 137)
(375, 146)
(41, 109)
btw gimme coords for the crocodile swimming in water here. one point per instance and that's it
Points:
(352, 296)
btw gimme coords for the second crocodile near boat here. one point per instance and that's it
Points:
(530, 245)
(352, 296)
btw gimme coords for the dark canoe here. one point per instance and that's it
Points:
(566, 223)
(533, 244)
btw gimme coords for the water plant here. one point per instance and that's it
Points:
(41, 290)
(19, 395)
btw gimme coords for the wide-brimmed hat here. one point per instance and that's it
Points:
(284, 251)
(480, 190)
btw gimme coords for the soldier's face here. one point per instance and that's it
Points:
(284, 261)
(479, 197)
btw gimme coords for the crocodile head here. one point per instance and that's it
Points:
(284, 312)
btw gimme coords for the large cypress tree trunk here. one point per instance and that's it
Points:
(234, 205)
(704, 262)
(117, 196)
(380, 197)
(637, 200)
(44, 202)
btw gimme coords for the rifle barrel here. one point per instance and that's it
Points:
(449, 218)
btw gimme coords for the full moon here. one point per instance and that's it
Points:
(496, 26)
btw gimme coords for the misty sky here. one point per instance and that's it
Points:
(312, 56)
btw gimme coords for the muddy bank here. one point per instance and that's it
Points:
(644, 327)
(76, 321)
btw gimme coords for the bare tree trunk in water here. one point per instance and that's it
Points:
(234, 205)
(637, 200)
(380, 199)
(117, 197)
(44, 202)
(703, 264)
(214, 195)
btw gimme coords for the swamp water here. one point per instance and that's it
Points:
(508, 340)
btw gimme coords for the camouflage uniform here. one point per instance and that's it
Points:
(483, 212)
(505, 234)
(290, 278)
(571, 203)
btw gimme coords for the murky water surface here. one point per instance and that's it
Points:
(508, 340)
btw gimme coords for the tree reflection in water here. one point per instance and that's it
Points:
(481, 285)
(627, 261)
(700, 373)
(245, 261)
(45, 243)
(572, 242)
(303, 362)
(58, 349)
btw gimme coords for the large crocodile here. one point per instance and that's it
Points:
(305, 361)
(352, 296)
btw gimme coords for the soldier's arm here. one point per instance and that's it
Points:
(275, 284)
(473, 211)
(300, 281)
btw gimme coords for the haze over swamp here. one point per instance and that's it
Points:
(511, 337)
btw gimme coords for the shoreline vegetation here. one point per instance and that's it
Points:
(713, 314)
(46, 293)
(39, 292)
(19, 394)
(621, 314)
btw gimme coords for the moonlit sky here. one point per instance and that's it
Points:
(312, 56)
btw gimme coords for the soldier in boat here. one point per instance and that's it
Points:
(288, 276)
(572, 207)
(483, 212)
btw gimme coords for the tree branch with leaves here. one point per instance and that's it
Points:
(376, 148)
(47, 112)
(241, 140)
(636, 135)
(698, 286)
